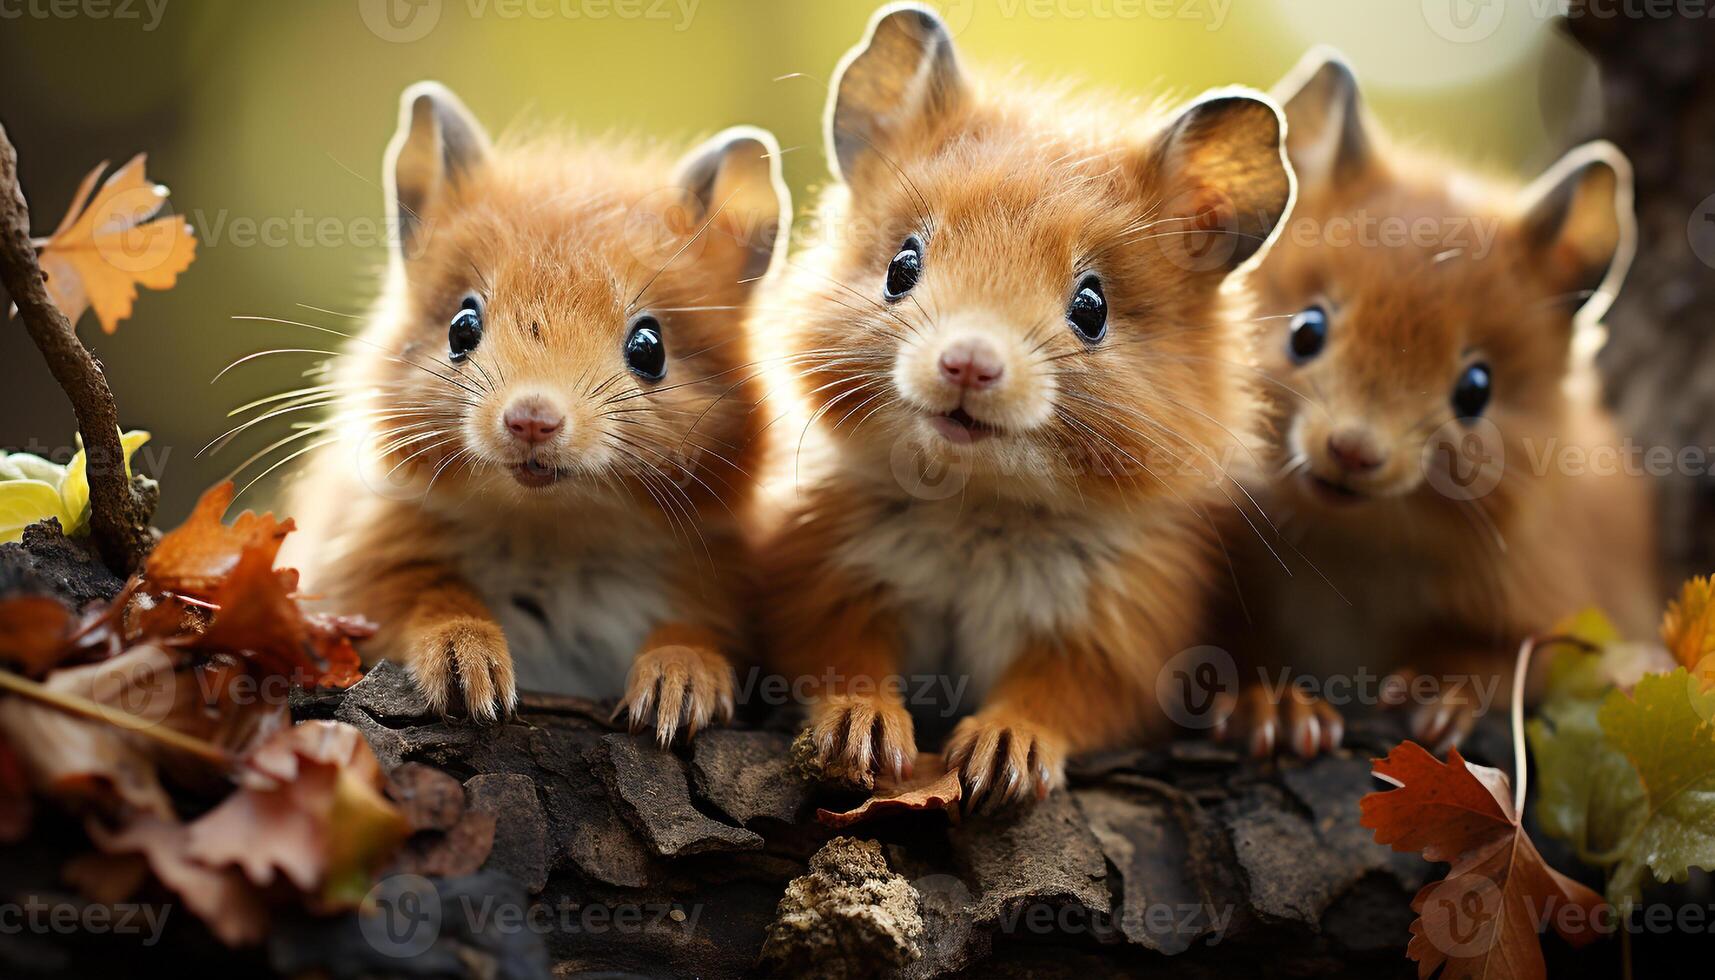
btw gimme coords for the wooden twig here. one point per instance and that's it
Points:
(119, 517)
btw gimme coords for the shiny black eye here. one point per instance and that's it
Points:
(645, 353)
(1088, 311)
(466, 329)
(1308, 334)
(1471, 392)
(904, 270)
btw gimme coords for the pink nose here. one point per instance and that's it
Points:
(1355, 451)
(971, 363)
(532, 422)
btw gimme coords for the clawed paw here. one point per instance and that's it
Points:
(1005, 761)
(1443, 722)
(856, 737)
(677, 688)
(465, 658)
(1296, 722)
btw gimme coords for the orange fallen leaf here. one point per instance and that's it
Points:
(258, 618)
(34, 633)
(1484, 919)
(931, 787)
(102, 252)
(196, 558)
(1688, 628)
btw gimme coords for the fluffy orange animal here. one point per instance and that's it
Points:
(1439, 462)
(1022, 367)
(545, 429)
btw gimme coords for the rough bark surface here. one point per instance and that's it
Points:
(1658, 92)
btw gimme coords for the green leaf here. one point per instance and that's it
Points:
(1588, 792)
(1667, 730)
(24, 502)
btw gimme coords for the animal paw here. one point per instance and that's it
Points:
(856, 736)
(465, 657)
(1298, 722)
(1004, 760)
(674, 688)
(1438, 714)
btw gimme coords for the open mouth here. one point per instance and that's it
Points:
(959, 427)
(535, 473)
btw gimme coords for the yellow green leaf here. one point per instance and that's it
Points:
(1587, 792)
(370, 830)
(74, 489)
(1667, 729)
(24, 502)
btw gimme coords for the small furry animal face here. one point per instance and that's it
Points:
(1415, 324)
(568, 320)
(1024, 283)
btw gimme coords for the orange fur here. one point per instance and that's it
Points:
(1408, 574)
(422, 518)
(1073, 559)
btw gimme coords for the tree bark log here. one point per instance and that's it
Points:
(1658, 92)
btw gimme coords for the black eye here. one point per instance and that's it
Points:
(1088, 311)
(645, 353)
(904, 270)
(1471, 392)
(466, 329)
(1308, 334)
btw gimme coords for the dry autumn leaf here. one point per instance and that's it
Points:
(1484, 919)
(1688, 628)
(197, 557)
(107, 245)
(931, 787)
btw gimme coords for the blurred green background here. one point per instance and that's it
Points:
(268, 122)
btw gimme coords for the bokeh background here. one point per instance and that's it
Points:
(268, 121)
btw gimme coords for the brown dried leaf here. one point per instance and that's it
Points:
(197, 557)
(1481, 921)
(931, 787)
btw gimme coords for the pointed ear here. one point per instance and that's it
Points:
(902, 77)
(1220, 168)
(1577, 222)
(1326, 137)
(734, 179)
(438, 143)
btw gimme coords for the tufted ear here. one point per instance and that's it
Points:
(1221, 170)
(899, 80)
(734, 179)
(1577, 222)
(1326, 137)
(438, 143)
